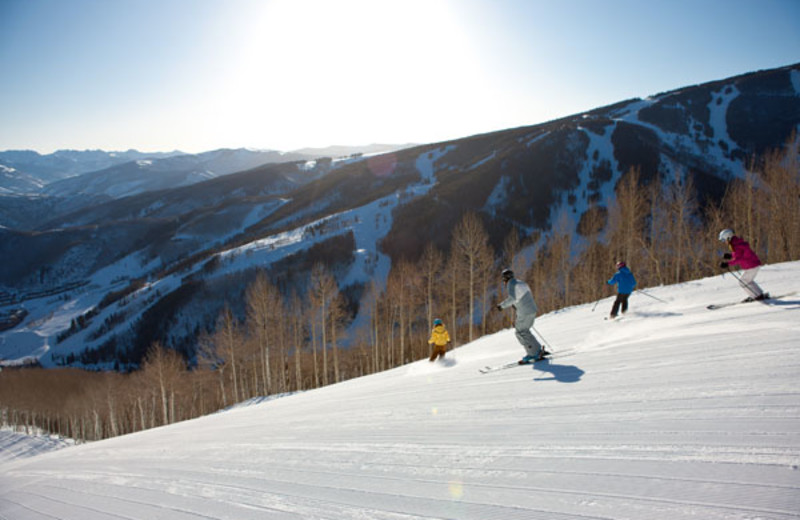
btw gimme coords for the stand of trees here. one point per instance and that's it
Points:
(290, 343)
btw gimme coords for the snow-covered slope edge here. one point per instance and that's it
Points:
(673, 412)
(15, 445)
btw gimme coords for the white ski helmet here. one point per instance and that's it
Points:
(725, 234)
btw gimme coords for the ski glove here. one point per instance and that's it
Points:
(727, 256)
(724, 265)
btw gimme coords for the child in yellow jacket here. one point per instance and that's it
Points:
(439, 340)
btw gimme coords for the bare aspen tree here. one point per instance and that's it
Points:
(229, 339)
(538, 276)
(311, 313)
(780, 172)
(257, 305)
(417, 324)
(589, 270)
(154, 371)
(338, 312)
(430, 267)
(141, 400)
(375, 327)
(407, 285)
(469, 241)
(396, 296)
(369, 305)
(282, 330)
(296, 312)
(512, 247)
(220, 352)
(385, 334)
(656, 234)
(322, 292)
(162, 369)
(212, 360)
(97, 426)
(560, 258)
(486, 273)
(627, 218)
(453, 279)
(740, 206)
(750, 194)
(395, 326)
(126, 394)
(682, 208)
(114, 426)
(265, 318)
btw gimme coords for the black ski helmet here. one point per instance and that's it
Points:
(508, 274)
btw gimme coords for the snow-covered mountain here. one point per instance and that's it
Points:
(136, 177)
(67, 163)
(674, 412)
(68, 173)
(32, 202)
(205, 241)
(12, 181)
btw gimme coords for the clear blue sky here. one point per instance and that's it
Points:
(196, 75)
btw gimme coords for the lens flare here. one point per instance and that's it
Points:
(456, 488)
(382, 165)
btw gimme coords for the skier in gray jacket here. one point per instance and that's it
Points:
(521, 298)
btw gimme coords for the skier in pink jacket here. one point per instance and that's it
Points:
(742, 256)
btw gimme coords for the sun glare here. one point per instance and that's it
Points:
(346, 68)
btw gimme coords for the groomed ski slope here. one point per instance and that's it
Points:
(674, 412)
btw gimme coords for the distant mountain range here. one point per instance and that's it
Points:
(68, 163)
(182, 235)
(41, 186)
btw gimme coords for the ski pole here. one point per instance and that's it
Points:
(744, 285)
(546, 344)
(595, 304)
(737, 278)
(651, 296)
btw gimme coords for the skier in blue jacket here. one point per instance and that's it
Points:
(625, 282)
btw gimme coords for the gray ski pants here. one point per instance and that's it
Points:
(526, 338)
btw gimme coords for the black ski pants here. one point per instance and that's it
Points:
(621, 301)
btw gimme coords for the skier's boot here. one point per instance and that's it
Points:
(527, 360)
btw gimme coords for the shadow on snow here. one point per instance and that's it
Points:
(560, 373)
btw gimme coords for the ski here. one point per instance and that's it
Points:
(766, 301)
(494, 368)
(715, 306)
